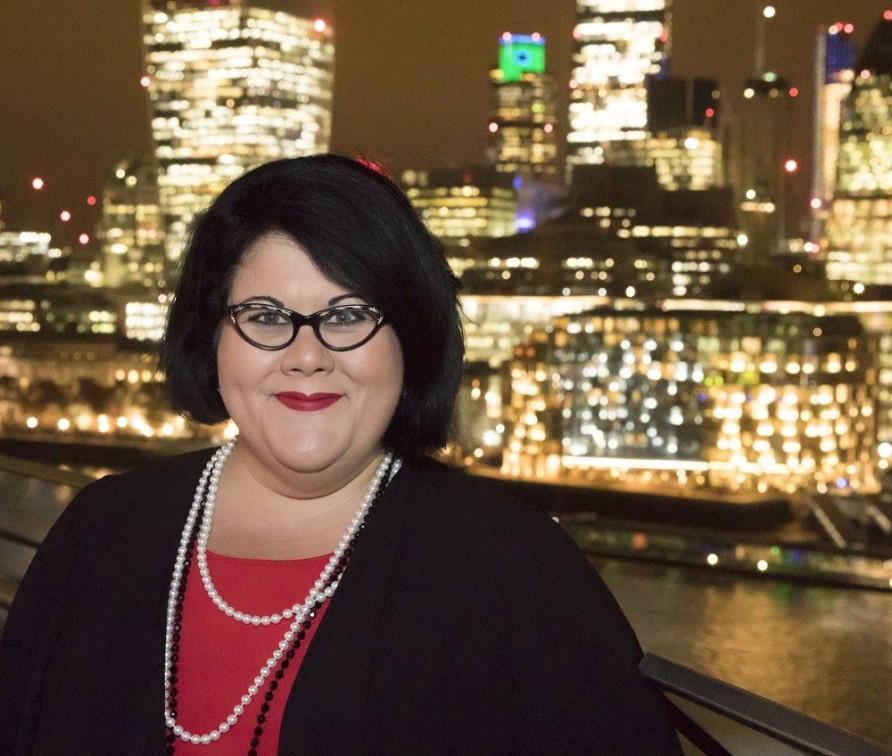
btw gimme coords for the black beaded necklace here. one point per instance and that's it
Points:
(287, 657)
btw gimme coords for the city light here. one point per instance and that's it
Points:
(613, 341)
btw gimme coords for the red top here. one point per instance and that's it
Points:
(220, 657)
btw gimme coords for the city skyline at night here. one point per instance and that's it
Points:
(72, 120)
(652, 222)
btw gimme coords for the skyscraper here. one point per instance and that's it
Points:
(458, 204)
(834, 72)
(618, 44)
(130, 234)
(758, 166)
(682, 145)
(523, 120)
(231, 85)
(858, 247)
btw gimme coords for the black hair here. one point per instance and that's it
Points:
(363, 233)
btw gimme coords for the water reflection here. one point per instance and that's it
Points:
(826, 652)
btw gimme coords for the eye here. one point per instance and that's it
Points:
(350, 316)
(262, 316)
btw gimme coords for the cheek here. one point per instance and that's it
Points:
(237, 367)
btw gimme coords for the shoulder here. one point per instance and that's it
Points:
(151, 487)
(470, 508)
(460, 526)
(118, 512)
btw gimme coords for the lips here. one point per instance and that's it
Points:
(307, 402)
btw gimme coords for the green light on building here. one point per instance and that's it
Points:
(521, 53)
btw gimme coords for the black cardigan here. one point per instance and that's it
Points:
(464, 624)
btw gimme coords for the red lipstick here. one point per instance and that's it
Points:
(307, 402)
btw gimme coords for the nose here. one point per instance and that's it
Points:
(306, 354)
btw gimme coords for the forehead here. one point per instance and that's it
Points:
(275, 264)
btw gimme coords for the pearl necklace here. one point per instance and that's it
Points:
(321, 591)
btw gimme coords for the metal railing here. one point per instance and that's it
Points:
(779, 723)
(32, 496)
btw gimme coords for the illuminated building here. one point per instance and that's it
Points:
(130, 230)
(682, 144)
(686, 158)
(29, 257)
(623, 237)
(834, 72)
(734, 399)
(50, 310)
(458, 204)
(758, 167)
(232, 85)
(858, 244)
(523, 119)
(618, 45)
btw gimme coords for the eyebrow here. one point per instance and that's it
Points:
(279, 303)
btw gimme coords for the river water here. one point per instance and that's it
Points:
(826, 652)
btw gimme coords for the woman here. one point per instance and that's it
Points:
(319, 586)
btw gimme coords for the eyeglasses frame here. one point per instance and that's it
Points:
(299, 320)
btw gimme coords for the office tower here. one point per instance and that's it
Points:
(834, 72)
(618, 45)
(27, 257)
(458, 204)
(523, 119)
(682, 144)
(758, 165)
(858, 245)
(232, 85)
(130, 235)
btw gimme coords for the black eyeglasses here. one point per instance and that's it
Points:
(339, 328)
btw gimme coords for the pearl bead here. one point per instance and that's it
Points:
(322, 590)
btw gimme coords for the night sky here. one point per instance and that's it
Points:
(411, 80)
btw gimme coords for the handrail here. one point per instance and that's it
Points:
(753, 711)
(34, 494)
(44, 472)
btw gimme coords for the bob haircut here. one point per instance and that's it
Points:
(362, 233)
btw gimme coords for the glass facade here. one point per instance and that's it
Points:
(130, 234)
(834, 72)
(523, 118)
(618, 45)
(461, 204)
(28, 256)
(231, 85)
(736, 400)
(686, 158)
(762, 145)
(858, 243)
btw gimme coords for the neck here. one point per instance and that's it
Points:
(262, 516)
